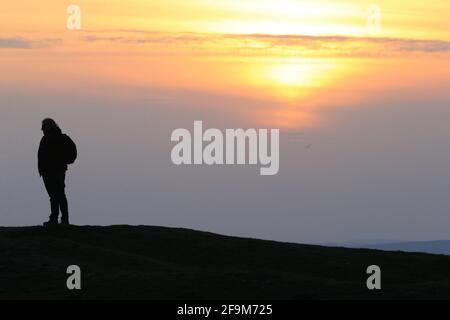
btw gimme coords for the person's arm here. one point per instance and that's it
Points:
(41, 157)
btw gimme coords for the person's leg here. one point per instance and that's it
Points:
(62, 198)
(50, 182)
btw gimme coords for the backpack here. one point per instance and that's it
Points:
(70, 149)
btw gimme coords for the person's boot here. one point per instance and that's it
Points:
(64, 221)
(51, 222)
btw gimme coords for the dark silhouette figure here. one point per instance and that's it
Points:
(53, 157)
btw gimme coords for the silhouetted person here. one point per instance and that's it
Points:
(56, 151)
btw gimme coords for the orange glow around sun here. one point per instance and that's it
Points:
(295, 55)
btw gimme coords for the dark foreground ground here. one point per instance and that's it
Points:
(164, 263)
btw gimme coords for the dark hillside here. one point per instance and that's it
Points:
(166, 263)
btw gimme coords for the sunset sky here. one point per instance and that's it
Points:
(361, 106)
(289, 52)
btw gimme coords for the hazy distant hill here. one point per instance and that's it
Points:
(156, 263)
(434, 247)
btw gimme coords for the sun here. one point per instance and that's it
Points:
(291, 74)
(302, 74)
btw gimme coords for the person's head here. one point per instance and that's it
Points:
(48, 125)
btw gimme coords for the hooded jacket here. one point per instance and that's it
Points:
(51, 153)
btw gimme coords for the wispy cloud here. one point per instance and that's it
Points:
(14, 43)
(327, 42)
(22, 43)
(262, 44)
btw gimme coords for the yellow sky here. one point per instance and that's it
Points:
(289, 52)
(400, 18)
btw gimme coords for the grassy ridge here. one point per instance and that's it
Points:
(167, 263)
